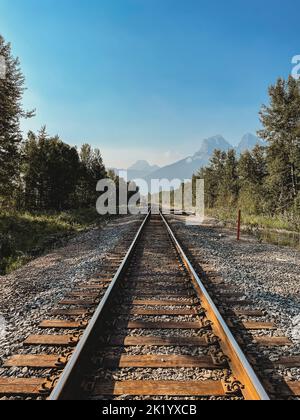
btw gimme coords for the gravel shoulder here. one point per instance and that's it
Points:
(28, 294)
(268, 275)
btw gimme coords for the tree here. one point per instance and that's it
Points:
(229, 183)
(11, 92)
(212, 176)
(282, 132)
(92, 170)
(252, 171)
(50, 172)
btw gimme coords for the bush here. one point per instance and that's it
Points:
(28, 235)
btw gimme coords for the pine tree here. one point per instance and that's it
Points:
(11, 92)
(229, 183)
(50, 172)
(252, 170)
(282, 132)
(212, 176)
(92, 170)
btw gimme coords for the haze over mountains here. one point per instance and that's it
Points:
(185, 168)
(141, 169)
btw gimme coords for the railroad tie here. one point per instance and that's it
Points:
(253, 325)
(158, 341)
(52, 340)
(132, 325)
(272, 341)
(160, 361)
(21, 386)
(155, 302)
(163, 312)
(160, 388)
(60, 324)
(42, 361)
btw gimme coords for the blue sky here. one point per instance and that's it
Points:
(148, 79)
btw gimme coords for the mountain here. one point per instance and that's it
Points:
(143, 166)
(248, 142)
(139, 169)
(185, 168)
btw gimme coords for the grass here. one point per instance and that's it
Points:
(278, 230)
(229, 216)
(24, 236)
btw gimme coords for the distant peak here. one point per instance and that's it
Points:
(248, 142)
(142, 165)
(250, 136)
(210, 144)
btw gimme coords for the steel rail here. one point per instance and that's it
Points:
(239, 364)
(64, 383)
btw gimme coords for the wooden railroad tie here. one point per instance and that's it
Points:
(160, 361)
(159, 388)
(158, 341)
(51, 340)
(154, 302)
(272, 341)
(60, 324)
(132, 325)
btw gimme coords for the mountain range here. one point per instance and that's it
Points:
(185, 168)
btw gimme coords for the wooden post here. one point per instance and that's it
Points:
(239, 225)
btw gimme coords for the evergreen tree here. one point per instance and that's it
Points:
(92, 170)
(50, 172)
(252, 170)
(229, 183)
(282, 132)
(212, 176)
(11, 92)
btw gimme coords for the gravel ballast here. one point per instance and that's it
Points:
(267, 275)
(30, 293)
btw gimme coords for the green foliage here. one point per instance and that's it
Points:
(50, 172)
(92, 170)
(282, 132)
(11, 91)
(221, 179)
(264, 183)
(27, 235)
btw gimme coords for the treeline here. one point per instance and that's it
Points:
(267, 179)
(55, 176)
(40, 172)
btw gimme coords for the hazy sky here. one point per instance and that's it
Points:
(148, 79)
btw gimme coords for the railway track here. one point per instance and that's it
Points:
(146, 327)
